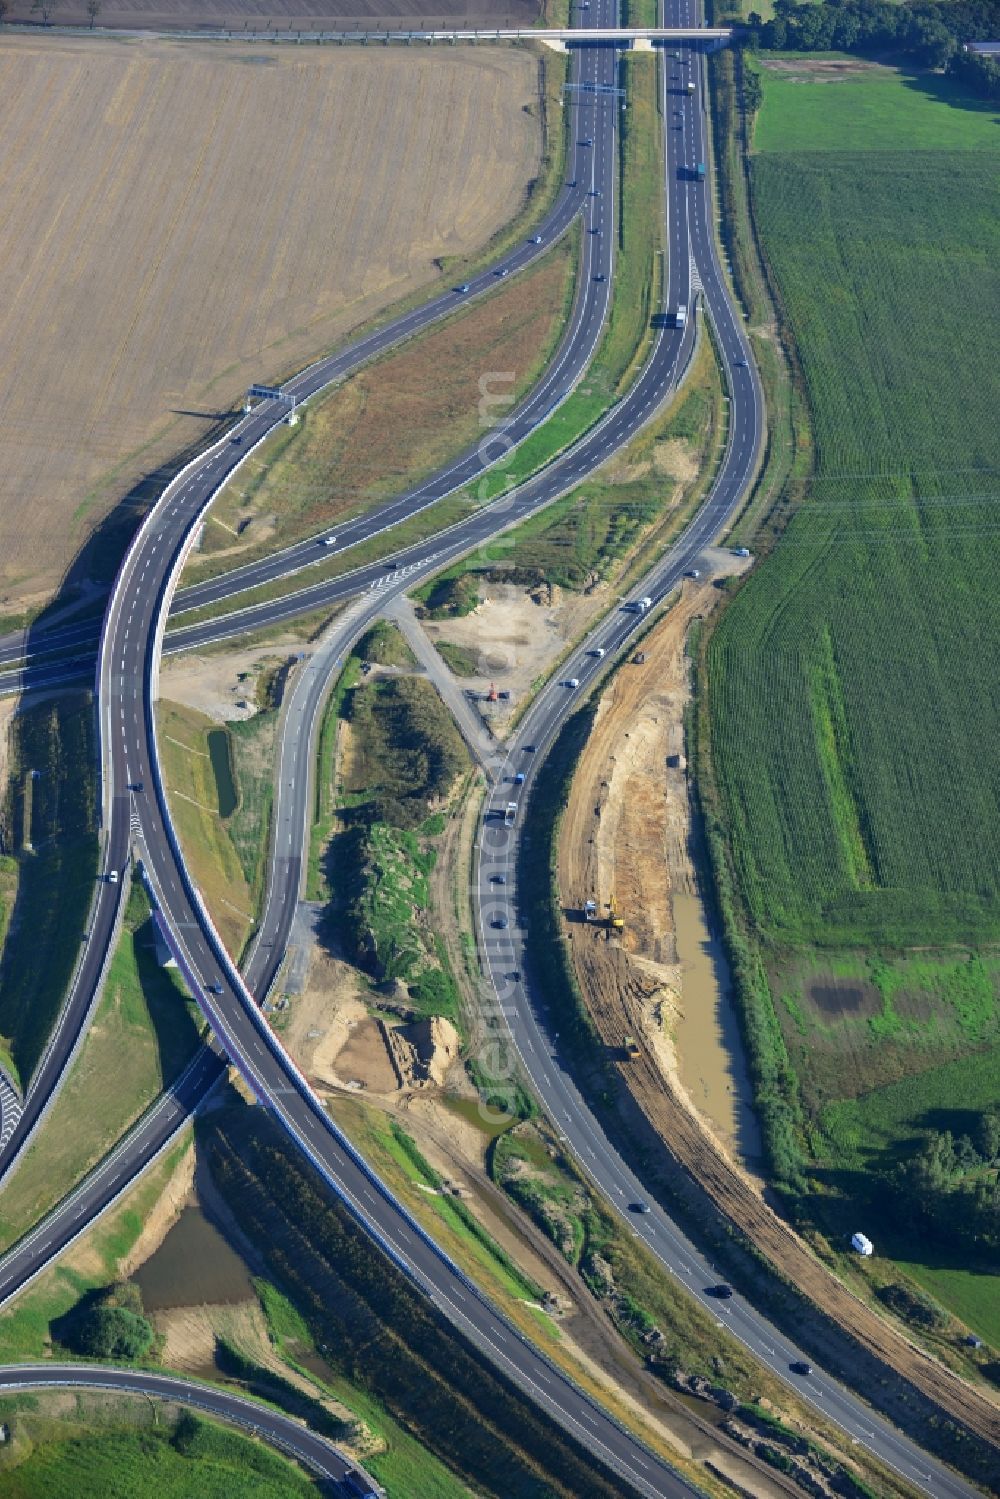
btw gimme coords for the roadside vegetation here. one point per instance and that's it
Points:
(390, 758)
(143, 1033)
(372, 1325)
(85, 1270)
(856, 847)
(594, 533)
(220, 785)
(637, 285)
(346, 454)
(134, 1451)
(48, 839)
(666, 1328)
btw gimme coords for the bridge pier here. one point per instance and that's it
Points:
(554, 44)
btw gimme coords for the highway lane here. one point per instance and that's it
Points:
(198, 979)
(128, 671)
(590, 170)
(315, 1452)
(590, 190)
(691, 227)
(506, 950)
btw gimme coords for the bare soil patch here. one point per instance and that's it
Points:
(818, 69)
(627, 834)
(181, 223)
(223, 684)
(516, 635)
(166, 1210)
(833, 996)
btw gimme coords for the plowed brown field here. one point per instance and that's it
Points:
(180, 219)
(304, 15)
(625, 839)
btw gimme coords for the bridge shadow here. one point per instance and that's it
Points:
(54, 817)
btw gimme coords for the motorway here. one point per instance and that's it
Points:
(132, 639)
(505, 951)
(321, 1456)
(127, 681)
(591, 193)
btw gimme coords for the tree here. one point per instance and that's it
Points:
(113, 1332)
(44, 8)
(753, 93)
(94, 10)
(988, 1138)
(3, 10)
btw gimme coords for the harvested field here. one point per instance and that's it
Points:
(305, 15)
(167, 253)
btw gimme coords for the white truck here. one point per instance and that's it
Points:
(510, 814)
(680, 317)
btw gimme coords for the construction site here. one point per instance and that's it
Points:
(627, 867)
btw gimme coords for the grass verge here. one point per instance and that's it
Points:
(137, 1455)
(370, 1322)
(143, 1033)
(197, 773)
(395, 422)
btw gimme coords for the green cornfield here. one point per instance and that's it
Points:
(854, 687)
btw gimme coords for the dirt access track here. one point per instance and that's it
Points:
(182, 218)
(623, 980)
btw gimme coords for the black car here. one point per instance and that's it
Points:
(799, 1366)
(639, 1207)
(500, 923)
(723, 1292)
(600, 276)
(498, 879)
(514, 976)
(528, 749)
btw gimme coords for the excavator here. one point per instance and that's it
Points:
(616, 921)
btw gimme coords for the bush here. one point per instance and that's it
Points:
(911, 1306)
(113, 1332)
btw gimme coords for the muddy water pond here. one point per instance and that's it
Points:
(710, 1056)
(194, 1266)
